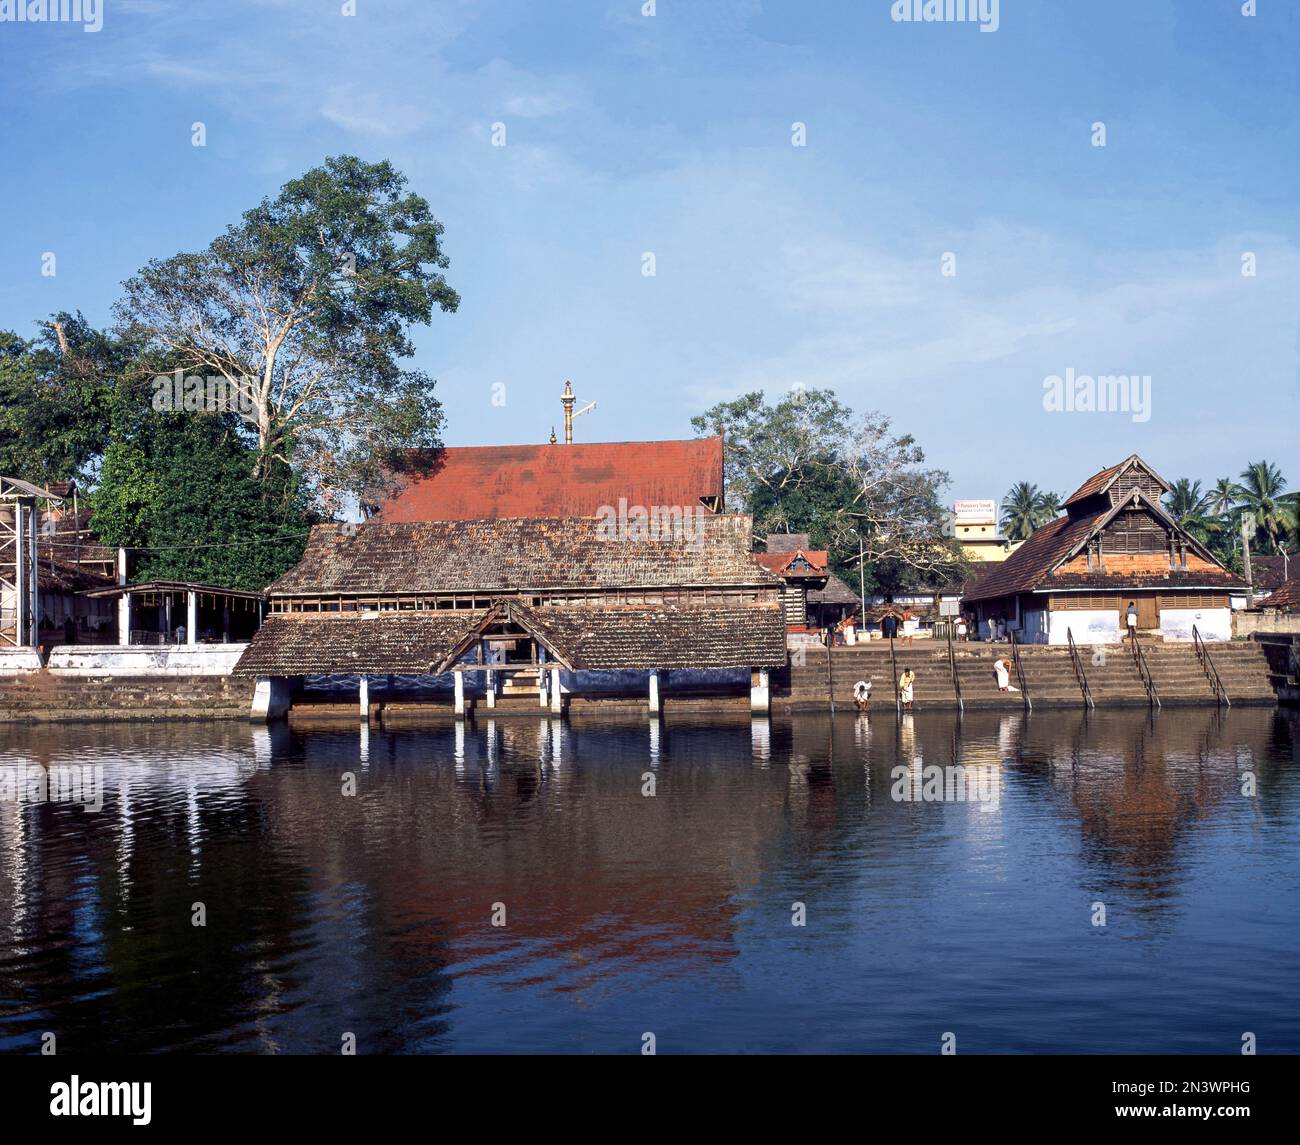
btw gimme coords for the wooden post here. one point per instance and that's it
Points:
(460, 693)
(365, 699)
(191, 618)
(830, 677)
(654, 694)
(491, 689)
(557, 697)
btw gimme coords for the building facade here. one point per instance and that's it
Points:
(1077, 575)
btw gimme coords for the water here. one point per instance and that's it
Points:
(670, 914)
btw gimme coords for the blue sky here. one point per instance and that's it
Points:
(776, 265)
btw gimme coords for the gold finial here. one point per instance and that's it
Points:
(554, 439)
(567, 401)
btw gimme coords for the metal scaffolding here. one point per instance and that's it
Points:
(19, 607)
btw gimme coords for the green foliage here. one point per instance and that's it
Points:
(181, 491)
(53, 400)
(1025, 508)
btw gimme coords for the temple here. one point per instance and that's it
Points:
(1116, 544)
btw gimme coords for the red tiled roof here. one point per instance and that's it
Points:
(1286, 598)
(1030, 563)
(777, 563)
(501, 481)
(1099, 482)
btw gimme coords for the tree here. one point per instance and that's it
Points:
(806, 464)
(1189, 507)
(1223, 497)
(1025, 508)
(1262, 494)
(303, 309)
(54, 396)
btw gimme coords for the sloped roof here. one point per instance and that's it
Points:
(787, 542)
(503, 556)
(835, 592)
(1100, 482)
(1286, 597)
(1028, 565)
(346, 643)
(1269, 572)
(779, 563)
(504, 481)
(743, 636)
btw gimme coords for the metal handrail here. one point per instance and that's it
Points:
(1020, 670)
(1208, 667)
(893, 671)
(1140, 659)
(952, 667)
(1079, 673)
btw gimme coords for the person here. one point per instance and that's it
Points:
(906, 682)
(961, 628)
(225, 624)
(889, 626)
(862, 694)
(907, 630)
(1002, 671)
(69, 630)
(1132, 620)
(180, 634)
(850, 631)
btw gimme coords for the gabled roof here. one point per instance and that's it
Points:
(1286, 597)
(505, 481)
(779, 563)
(504, 556)
(349, 643)
(834, 592)
(1100, 482)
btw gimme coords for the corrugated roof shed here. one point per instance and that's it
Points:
(501, 481)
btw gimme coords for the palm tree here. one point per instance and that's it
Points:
(1190, 508)
(1221, 499)
(1262, 493)
(1024, 508)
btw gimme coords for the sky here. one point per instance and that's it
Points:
(948, 236)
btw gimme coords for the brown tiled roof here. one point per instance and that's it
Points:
(835, 592)
(777, 563)
(1173, 579)
(1028, 565)
(1269, 572)
(744, 636)
(788, 542)
(502, 556)
(1099, 482)
(1286, 597)
(343, 643)
(503, 481)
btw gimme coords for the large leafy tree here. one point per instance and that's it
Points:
(55, 391)
(806, 463)
(304, 308)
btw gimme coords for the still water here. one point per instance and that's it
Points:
(670, 913)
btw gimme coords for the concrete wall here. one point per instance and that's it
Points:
(1248, 623)
(1090, 626)
(144, 660)
(1212, 623)
(18, 661)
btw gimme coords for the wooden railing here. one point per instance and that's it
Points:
(952, 667)
(1020, 670)
(1140, 659)
(1079, 673)
(1207, 666)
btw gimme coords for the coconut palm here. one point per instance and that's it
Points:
(1263, 494)
(1024, 508)
(1221, 499)
(1191, 509)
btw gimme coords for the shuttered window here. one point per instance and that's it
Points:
(1193, 600)
(1092, 601)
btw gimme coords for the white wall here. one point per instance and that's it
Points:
(19, 661)
(1090, 626)
(1212, 623)
(144, 660)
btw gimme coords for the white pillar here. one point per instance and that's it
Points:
(491, 688)
(273, 696)
(654, 693)
(124, 619)
(557, 697)
(192, 618)
(460, 693)
(760, 694)
(365, 698)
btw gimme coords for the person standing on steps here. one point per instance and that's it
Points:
(1002, 671)
(1132, 620)
(906, 683)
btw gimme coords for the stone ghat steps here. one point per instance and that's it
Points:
(41, 696)
(1113, 677)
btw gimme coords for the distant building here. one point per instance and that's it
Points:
(1115, 544)
(813, 597)
(975, 525)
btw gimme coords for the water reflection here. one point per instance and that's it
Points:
(329, 913)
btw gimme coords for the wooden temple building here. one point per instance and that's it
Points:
(534, 610)
(1115, 544)
(814, 597)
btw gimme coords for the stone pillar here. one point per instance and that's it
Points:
(654, 693)
(124, 619)
(460, 692)
(491, 688)
(191, 618)
(760, 694)
(365, 699)
(272, 696)
(557, 694)
(542, 676)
